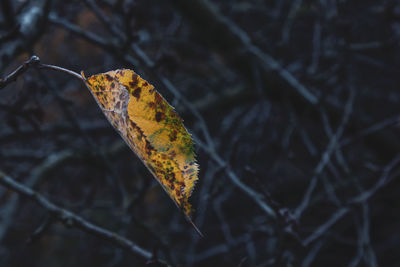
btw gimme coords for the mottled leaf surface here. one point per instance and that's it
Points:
(151, 128)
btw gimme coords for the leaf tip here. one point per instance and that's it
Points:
(194, 226)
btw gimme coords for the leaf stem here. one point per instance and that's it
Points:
(57, 68)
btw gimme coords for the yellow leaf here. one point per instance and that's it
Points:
(151, 128)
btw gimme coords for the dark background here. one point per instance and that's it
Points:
(294, 106)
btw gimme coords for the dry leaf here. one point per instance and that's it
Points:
(151, 128)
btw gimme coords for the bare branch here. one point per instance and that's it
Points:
(12, 77)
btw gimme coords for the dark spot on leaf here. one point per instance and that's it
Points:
(152, 105)
(159, 116)
(172, 136)
(141, 134)
(148, 148)
(145, 84)
(174, 113)
(178, 193)
(112, 85)
(108, 77)
(122, 96)
(135, 77)
(136, 93)
(158, 98)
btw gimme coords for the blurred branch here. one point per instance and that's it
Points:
(8, 12)
(224, 31)
(368, 251)
(308, 260)
(12, 77)
(70, 219)
(358, 200)
(374, 128)
(48, 221)
(252, 194)
(30, 24)
(38, 173)
(220, 248)
(123, 38)
(322, 229)
(287, 26)
(325, 158)
(87, 35)
(364, 196)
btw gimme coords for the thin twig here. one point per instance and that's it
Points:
(381, 182)
(287, 26)
(308, 260)
(317, 233)
(255, 196)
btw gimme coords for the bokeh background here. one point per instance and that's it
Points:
(294, 106)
